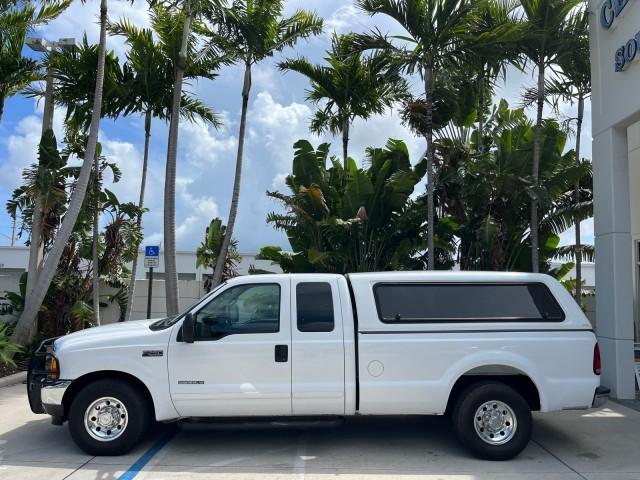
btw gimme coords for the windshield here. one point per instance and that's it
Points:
(169, 321)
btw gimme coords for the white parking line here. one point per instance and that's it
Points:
(300, 462)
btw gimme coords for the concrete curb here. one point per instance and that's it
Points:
(13, 379)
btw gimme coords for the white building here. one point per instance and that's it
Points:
(615, 64)
(14, 261)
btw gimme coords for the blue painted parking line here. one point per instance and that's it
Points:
(139, 464)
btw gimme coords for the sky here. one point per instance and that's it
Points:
(278, 117)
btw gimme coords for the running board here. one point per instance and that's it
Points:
(274, 422)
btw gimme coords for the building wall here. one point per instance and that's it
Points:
(615, 108)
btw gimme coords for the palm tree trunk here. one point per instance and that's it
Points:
(578, 292)
(428, 87)
(95, 280)
(143, 183)
(535, 254)
(36, 244)
(233, 210)
(25, 328)
(345, 143)
(171, 273)
(1, 106)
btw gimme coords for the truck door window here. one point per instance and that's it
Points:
(314, 304)
(242, 309)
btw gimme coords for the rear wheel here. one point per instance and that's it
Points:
(493, 420)
(108, 417)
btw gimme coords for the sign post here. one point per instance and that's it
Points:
(151, 261)
(636, 356)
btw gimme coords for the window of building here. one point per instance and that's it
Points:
(314, 304)
(458, 302)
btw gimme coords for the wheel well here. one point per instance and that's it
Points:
(517, 380)
(80, 382)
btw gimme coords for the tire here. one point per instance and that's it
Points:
(125, 421)
(492, 420)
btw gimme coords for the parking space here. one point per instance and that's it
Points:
(598, 445)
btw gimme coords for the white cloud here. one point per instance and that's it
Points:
(568, 237)
(276, 127)
(199, 212)
(345, 19)
(377, 130)
(84, 17)
(278, 182)
(129, 160)
(202, 146)
(22, 147)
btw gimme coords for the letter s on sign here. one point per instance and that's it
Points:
(607, 14)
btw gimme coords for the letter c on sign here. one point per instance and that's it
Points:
(620, 4)
(607, 14)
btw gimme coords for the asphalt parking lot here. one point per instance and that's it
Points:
(601, 444)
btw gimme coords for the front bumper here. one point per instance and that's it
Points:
(600, 396)
(51, 396)
(45, 396)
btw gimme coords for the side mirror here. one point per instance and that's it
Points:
(188, 328)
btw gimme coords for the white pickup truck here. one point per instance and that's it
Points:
(486, 348)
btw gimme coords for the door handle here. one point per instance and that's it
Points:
(282, 353)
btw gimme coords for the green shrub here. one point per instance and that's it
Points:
(6, 347)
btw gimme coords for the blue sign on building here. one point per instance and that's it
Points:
(152, 251)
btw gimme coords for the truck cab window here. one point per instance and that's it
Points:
(315, 307)
(240, 310)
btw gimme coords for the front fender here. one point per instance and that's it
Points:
(127, 359)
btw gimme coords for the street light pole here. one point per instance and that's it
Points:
(47, 116)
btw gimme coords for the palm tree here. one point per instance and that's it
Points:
(149, 75)
(208, 251)
(191, 9)
(575, 85)
(349, 86)
(17, 20)
(74, 72)
(544, 40)
(485, 196)
(432, 45)
(16, 72)
(492, 43)
(24, 330)
(254, 30)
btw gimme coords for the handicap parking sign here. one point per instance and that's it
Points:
(152, 251)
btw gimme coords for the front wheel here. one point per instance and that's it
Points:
(493, 420)
(108, 417)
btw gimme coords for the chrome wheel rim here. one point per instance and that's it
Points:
(106, 419)
(495, 422)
